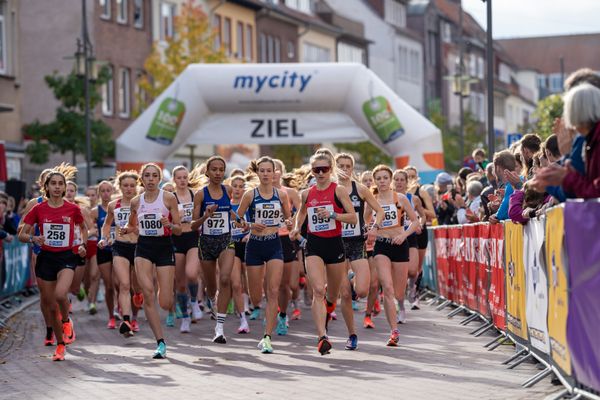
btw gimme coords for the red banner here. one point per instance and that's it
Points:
(483, 270)
(441, 258)
(496, 296)
(455, 265)
(471, 241)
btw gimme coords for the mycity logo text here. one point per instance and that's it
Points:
(257, 83)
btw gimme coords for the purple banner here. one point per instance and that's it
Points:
(582, 221)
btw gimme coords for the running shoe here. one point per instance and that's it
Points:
(59, 353)
(92, 309)
(230, 309)
(324, 345)
(412, 292)
(355, 306)
(376, 308)
(81, 295)
(333, 316)
(161, 351)
(49, 341)
(244, 328)
(255, 314)
(368, 322)
(352, 343)
(219, 335)
(126, 329)
(197, 313)
(178, 311)
(211, 309)
(330, 308)
(135, 326)
(282, 328)
(265, 345)
(401, 316)
(112, 323)
(302, 282)
(394, 338)
(416, 305)
(296, 314)
(185, 325)
(170, 320)
(138, 300)
(68, 332)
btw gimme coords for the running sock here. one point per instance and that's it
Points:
(48, 332)
(267, 335)
(282, 315)
(242, 316)
(220, 320)
(161, 340)
(182, 300)
(193, 288)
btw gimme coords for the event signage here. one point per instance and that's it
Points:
(558, 296)
(537, 286)
(441, 258)
(515, 281)
(15, 267)
(497, 297)
(483, 271)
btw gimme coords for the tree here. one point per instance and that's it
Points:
(369, 154)
(193, 43)
(547, 110)
(66, 133)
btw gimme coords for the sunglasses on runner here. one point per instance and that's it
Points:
(321, 170)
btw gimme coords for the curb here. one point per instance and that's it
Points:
(13, 305)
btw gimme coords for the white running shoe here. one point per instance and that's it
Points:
(197, 313)
(185, 325)
(244, 328)
(401, 317)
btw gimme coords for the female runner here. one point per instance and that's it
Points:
(391, 248)
(154, 214)
(55, 264)
(327, 206)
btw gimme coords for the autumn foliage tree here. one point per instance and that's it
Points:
(193, 42)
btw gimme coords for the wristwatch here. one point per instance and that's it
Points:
(332, 214)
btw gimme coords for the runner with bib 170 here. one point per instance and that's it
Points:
(327, 206)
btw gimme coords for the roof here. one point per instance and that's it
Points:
(543, 53)
(417, 7)
(450, 10)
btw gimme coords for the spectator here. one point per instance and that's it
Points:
(530, 145)
(490, 189)
(505, 165)
(525, 204)
(446, 194)
(4, 234)
(480, 159)
(582, 112)
(469, 212)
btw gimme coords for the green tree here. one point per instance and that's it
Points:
(368, 154)
(66, 133)
(193, 43)
(547, 110)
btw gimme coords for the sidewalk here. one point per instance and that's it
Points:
(437, 359)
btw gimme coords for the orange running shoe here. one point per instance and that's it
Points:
(59, 354)
(394, 338)
(330, 308)
(111, 323)
(68, 332)
(126, 329)
(138, 300)
(324, 345)
(376, 308)
(49, 342)
(368, 322)
(296, 314)
(134, 326)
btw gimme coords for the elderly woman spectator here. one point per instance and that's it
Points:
(581, 112)
(469, 211)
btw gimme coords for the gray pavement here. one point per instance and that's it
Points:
(437, 359)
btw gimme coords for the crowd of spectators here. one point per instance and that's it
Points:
(521, 182)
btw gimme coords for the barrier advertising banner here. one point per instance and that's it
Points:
(429, 279)
(441, 258)
(482, 254)
(515, 281)
(558, 296)
(469, 272)
(583, 325)
(15, 267)
(455, 264)
(537, 285)
(497, 296)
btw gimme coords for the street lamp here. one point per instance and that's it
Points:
(490, 79)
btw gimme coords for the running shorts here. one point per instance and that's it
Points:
(289, 249)
(395, 252)
(261, 249)
(158, 250)
(331, 250)
(125, 250)
(185, 242)
(422, 239)
(48, 263)
(104, 256)
(354, 249)
(211, 246)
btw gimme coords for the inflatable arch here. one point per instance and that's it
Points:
(281, 104)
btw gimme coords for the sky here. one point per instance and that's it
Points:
(517, 18)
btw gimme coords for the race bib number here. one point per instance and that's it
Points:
(150, 225)
(185, 211)
(351, 230)
(268, 214)
(318, 224)
(217, 224)
(56, 235)
(235, 231)
(390, 216)
(122, 216)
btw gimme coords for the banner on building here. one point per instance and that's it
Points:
(515, 281)
(558, 295)
(536, 285)
(15, 267)
(583, 325)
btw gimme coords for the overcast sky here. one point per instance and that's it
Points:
(516, 18)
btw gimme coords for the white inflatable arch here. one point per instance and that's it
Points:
(281, 104)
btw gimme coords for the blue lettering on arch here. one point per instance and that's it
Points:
(286, 80)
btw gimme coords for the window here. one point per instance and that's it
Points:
(556, 83)
(541, 80)
(122, 11)
(108, 95)
(139, 94)
(248, 43)
(124, 94)
(270, 48)
(477, 106)
(167, 16)
(217, 30)
(446, 32)
(291, 50)
(239, 38)
(525, 117)
(504, 73)
(3, 41)
(138, 13)
(226, 35)
(395, 13)
(263, 48)
(349, 53)
(472, 65)
(105, 8)
(480, 68)
(510, 114)
(277, 50)
(314, 53)
(304, 6)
